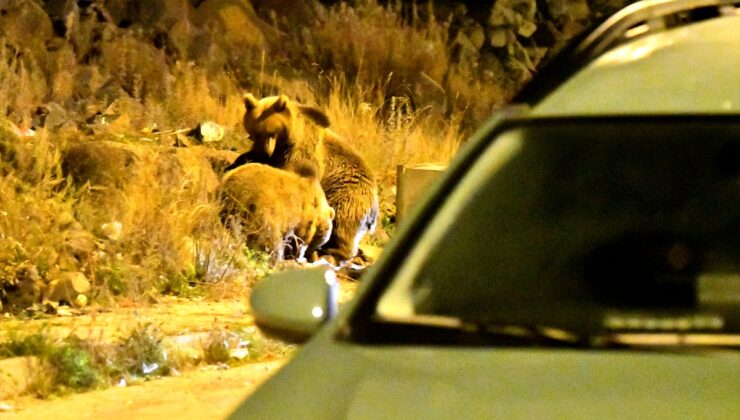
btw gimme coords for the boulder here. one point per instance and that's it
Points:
(67, 286)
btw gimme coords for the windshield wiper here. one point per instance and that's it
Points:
(435, 329)
(666, 340)
(528, 334)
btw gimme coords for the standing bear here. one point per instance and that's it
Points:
(285, 134)
(275, 209)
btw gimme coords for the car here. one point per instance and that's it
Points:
(579, 258)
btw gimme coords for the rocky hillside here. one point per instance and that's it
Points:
(82, 56)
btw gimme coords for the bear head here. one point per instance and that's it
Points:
(270, 122)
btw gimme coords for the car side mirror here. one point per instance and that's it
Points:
(293, 304)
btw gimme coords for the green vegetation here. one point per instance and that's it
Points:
(72, 364)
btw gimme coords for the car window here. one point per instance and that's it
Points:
(583, 223)
(693, 68)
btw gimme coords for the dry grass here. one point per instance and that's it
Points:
(374, 46)
(170, 238)
(195, 96)
(23, 84)
(390, 86)
(404, 136)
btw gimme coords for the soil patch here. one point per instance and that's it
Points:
(198, 394)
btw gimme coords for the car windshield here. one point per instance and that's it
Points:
(691, 68)
(585, 226)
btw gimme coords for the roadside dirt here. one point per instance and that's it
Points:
(202, 392)
(171, 316)
(210, 394)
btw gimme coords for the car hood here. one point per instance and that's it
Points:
(328, 379)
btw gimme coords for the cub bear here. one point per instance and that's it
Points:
(284, 134)
(272, 208)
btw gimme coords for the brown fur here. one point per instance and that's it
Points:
(285, 133)
(272, 207)
(273, 123)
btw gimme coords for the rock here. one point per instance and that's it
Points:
(80, 301)
(239, 353)
(236, 22)
(50, 116)
(137, 66)
(64, 15)
(182, 140)
(29, 282)
(67, 286)
(112, 230)
(219, 159)
(17, 18)
(101, 163)
(120, 124)
(207, 132)
(16, 374)
(178, 167)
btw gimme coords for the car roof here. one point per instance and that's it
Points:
(693, 68)
(639, 19)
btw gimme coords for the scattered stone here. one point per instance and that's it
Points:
(16, 373)
(64, 311)
(207, 132)
(50, 116)
(182, 140)
(112, 230)
(239, 354)
(67, 286)
(80, 301)
(219, 159)
(29, 283)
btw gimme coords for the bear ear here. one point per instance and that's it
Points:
(250, 102)
(316, 115)
(280, 104)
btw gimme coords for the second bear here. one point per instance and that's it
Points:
(285, 133)
(273, 209)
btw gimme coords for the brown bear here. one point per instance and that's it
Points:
(273, 208)
(285, 133)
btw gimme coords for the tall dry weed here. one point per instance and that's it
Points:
(169, 238)
(410, 137)
(193, 95)
(23, 85)
(372, 45)
(415, 138)
(38, 232)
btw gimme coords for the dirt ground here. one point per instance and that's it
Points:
(202, 392)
